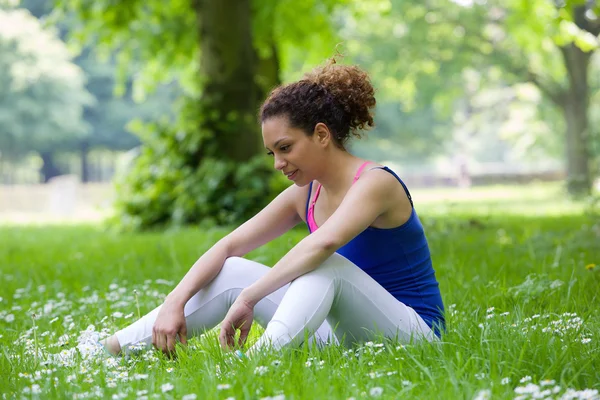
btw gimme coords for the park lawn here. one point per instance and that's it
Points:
(522, 315)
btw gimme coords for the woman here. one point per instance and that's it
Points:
(365, 267)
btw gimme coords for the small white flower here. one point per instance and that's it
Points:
(505, 381)
(190, 396)
(530, 388)
(480, 376)
(9, 318)
(547, 382)
(484, 394)
(586, 340)
(169, 370)
(260, 370)
(139, 377)
(308, 363)
(167, 387)
(141, 393)
(504, 314)
(526, 378)
(276, 363)
(491, 309)
(224, 386)
(117, 314)
(376, 391)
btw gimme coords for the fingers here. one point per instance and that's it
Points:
(183, 334)
(223, 337)
(170, 344)
(244, 331)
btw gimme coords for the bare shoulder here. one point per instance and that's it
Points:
(388, 188)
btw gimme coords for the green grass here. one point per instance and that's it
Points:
(492, 256)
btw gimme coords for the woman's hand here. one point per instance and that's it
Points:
(239, 316)
(170, 323)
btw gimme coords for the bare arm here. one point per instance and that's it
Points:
(276, 218)
(364, 202)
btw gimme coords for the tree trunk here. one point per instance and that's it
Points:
(228, 62)
(267, 76)
(83, 152)
(49, 169)
(575, 108)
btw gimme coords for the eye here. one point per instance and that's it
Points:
(284, 147)
(269, 153)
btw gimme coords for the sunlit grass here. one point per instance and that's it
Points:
(522, 311)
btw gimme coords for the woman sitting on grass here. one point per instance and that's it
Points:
(365, 267)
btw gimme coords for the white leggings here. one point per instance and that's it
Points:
(337, 294)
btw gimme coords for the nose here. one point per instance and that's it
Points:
(280, 163)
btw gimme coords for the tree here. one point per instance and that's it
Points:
(42, 92)
(545, 43)
(226, 56)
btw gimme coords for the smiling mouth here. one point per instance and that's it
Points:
(291, 174)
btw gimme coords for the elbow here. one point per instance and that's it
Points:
(329, 246)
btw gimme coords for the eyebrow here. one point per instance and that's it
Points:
(277, 142)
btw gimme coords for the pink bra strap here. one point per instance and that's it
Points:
(311, 208)
(360, 170)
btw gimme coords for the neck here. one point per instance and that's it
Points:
(339, 172)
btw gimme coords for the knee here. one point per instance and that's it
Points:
(240, 272)
(232, 266)
(334, 263)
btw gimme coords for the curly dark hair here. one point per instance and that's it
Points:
(340, 96)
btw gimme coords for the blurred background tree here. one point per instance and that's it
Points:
(42, 93)
(464, 57)
(495, 89)
(224, 57)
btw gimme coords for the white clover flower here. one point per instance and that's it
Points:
(530, 388)
(376, 391)
(484, 394)
(260, 370)
(167, 387)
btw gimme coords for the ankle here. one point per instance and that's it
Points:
(111, 344)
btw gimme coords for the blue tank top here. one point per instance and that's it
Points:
(399, 260)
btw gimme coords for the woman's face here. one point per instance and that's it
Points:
(295, 154)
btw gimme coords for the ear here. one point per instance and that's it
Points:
(322, 134)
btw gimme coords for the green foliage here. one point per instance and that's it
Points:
(179, 178)
(42, 91)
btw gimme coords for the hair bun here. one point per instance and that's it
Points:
(352, 90)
